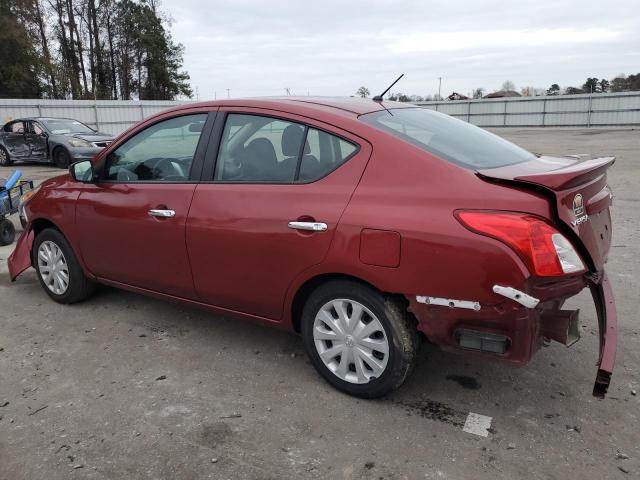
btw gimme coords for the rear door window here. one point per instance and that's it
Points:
(326, 153)
(448, 138)
(262, 149)
(258, 149)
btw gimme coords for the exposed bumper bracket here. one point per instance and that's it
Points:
(449, 302)
(516, 295)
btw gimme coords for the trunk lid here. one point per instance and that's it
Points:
(581, 195)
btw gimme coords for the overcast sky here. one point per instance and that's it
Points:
(330, 47)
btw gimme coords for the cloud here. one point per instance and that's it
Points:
(464, 40)
(332, 47)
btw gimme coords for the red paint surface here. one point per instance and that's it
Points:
(380, 247)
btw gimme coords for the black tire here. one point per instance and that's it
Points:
(79, 286)
(7, 232)
(399, 327)
(5, 159)
(61, 157)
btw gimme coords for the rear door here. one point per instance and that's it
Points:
(131, 223)
(268, 206)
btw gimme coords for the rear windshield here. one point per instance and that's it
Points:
(449, 138)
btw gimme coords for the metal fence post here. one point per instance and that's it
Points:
(589, 112)
(504, 122)
(141, 112)
(544, 112)
(95, 112)
(469, 112)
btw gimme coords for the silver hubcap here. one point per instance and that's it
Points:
(53, 267)
(351, 341)
(3, 156)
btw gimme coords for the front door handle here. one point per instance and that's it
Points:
(312, 226)
(162, 213)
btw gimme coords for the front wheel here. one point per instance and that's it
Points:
(59, 272)
(5, 159)
(61, 158)
(361, 341)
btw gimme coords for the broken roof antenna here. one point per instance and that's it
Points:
(378, 98)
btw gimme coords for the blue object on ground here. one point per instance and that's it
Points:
(12, 180)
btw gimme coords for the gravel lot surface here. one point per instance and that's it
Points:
(123, 386)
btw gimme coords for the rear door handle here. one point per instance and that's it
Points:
(162, 213)
(312, 226)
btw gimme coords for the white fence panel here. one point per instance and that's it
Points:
(524, 120)
(529, 106)
(488, 106)
(615, 118)
(111, 116)
(603, 109)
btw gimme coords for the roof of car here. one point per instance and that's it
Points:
(40, 118)
(352, 105)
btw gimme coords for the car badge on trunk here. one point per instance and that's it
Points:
(578, 210)
(578, 205)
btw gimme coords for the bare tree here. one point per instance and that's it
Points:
(508, 85)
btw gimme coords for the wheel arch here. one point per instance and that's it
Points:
(310, 285)
(53, 148)
(39, 224)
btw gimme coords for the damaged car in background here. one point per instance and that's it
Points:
(60, 141)
(366, 226)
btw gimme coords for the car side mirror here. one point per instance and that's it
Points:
(82, 171)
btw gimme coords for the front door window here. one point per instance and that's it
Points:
(161, 153)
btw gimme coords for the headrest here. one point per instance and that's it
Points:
(291, 138)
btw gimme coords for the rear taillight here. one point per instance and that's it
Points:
(545, 250)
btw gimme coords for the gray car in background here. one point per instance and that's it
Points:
(61, 141)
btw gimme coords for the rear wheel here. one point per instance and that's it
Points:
(61, 157)
(58, 269)
(361, 341)
(5, 159)
(7, 232)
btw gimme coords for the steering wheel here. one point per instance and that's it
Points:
(165, 169)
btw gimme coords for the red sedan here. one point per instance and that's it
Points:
(366, 226)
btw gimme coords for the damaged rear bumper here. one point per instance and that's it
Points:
(608, 325)
(514, 329)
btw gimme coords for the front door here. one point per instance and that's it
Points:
(131, 223)
(37, 140)
(16, 140)
(270, 209)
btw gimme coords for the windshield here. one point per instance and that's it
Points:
(59, 126)
(449, 138)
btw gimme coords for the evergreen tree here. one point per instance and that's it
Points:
(20, 64)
